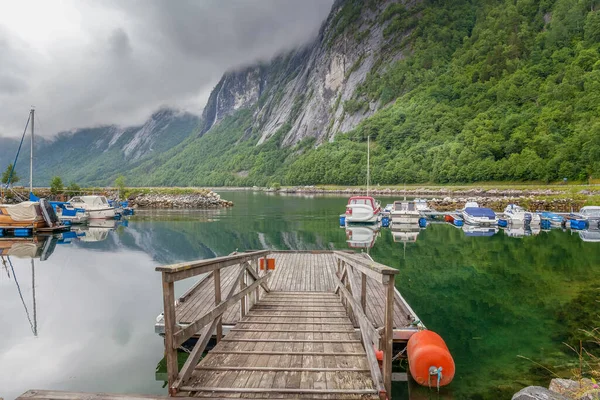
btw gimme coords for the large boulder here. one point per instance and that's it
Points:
(537, 393)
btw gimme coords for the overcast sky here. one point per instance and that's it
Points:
(83, 63)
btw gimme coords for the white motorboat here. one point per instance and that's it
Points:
(517, 215)
(422, 206)
(475, 215)
(362, 209)
(96, 206)
(592, 215)
(405, 212)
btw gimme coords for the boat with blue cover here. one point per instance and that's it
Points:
(474, 215)
(554, 219)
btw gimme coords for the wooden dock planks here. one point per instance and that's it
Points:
(287, 357)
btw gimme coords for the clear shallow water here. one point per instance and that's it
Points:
(491, 298)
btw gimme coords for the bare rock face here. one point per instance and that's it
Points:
(580, 390)
(537, 393)
(307, 88)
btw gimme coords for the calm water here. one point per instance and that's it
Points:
(493, 298)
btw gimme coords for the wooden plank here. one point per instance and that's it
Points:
(293, 323)
(197, 264)
(388, 335)
(292, 330)
(363, 291)
(283, 353)
(217, 280)
(64, 395)
(289, 369)
(370, 268)
(226, 339)
(366, 325)
(278, 390)
(169, 317)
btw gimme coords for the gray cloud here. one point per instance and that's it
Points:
(125, 59)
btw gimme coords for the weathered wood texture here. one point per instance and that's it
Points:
(62, 395)
(273, 359)
(300, 272)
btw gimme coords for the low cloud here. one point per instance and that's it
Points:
(85, 63)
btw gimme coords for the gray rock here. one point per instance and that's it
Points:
(537, 393)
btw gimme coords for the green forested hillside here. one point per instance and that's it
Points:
(490, 90)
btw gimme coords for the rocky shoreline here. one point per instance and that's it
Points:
(204, 199)
(500, 203)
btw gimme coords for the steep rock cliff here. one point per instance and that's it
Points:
(307, 87)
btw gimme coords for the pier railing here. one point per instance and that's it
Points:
(349, 266)
(245, 289)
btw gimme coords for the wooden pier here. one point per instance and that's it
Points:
(308, 329)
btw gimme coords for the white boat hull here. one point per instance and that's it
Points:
(471, 220)
(405, 218)
(105, 213)
(520, 219)
(361, 214)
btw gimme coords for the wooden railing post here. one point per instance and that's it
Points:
(243, 299)
(388, 334)
(169, 317)
(217, 278)
(363, 291)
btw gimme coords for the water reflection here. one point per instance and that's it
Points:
(361, 236)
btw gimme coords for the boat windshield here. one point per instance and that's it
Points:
(365, 201)
(103, 200)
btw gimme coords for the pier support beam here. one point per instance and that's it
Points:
(169, 315)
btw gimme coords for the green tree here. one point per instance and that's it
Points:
(120, 184)
(73, 189)
(56, 185)
(6, 175)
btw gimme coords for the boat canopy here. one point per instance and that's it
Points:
(98, 201)
(23, 212)
(366, 200)
(480, 212)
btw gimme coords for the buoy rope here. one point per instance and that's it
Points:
(435, 371)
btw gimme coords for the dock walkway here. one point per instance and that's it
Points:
(308, 329)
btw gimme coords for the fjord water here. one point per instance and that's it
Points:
(493, 299)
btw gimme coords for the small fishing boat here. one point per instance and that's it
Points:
(554, 219)
(475, 215)
(30, 215)
(362, 209)
(592, 215)
(516, 214)
(96, 206)
(405, 212)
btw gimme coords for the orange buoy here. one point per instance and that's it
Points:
(429, 359)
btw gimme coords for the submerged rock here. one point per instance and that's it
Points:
(537, 393)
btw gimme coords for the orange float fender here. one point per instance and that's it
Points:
(429, 359)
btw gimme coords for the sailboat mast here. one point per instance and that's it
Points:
(31, 154)
(34, 305)
(368, 162)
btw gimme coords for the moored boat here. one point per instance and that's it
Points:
(405, 212)
(516, 214)
(362, 209)
(474, 215)
(554, 219)
(31, 215)
(96, 206)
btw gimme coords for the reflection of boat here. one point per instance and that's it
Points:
(362, 209)
(475, 215)
(103, 223)
(590, 235)
(406, 233)
(591, 215)
(94, 232)
(363, 236)
(96, 206)
(516, 214)
(473, 230)
(404, 212)
(33, 247)
(520, 231)
(554, 219)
